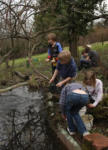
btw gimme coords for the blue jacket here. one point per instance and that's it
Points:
(54, 51)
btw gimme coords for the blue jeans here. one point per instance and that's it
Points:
(73, 105)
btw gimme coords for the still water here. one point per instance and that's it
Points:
(23, 121)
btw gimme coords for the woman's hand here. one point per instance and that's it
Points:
(59, 84)
(90, 106)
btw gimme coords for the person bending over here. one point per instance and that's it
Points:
(66, 68)
(74, 96)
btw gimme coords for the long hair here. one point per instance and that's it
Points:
(91, 76)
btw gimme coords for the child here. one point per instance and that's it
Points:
(73, 98)
(92, 60)
(85, 60)
(66, 68)
(76, 95)
(54, 48)
(94, 88)
(84, 55)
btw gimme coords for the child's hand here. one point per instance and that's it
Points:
(47, 60)
(52, 80)
(53, 61)
(59, 84)
(87, 58)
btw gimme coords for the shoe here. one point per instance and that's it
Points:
(71, 133)
(86, 133)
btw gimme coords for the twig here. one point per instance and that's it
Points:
(37, 72)
(13, 87)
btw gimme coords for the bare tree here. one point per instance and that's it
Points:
(16, 21)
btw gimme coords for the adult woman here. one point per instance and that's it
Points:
(74, 96)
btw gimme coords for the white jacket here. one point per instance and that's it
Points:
(96, 92)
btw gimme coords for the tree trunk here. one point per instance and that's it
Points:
(13, 59)
(29, 54)
(7, 63)
(73, 45)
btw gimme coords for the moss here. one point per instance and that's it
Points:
(86, 146)
(37, 82)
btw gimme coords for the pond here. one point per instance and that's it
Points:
(23, 121)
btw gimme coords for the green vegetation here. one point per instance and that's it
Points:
(76, 16)
(45, 68)
(41, 57)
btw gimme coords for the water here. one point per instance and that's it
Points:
(19, 99)
(23, 122)
(20, 121)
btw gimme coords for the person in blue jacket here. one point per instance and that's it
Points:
(66, 68)
(54, 48)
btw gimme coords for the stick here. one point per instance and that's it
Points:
(22, 76)
(13, 87)
(37, 72)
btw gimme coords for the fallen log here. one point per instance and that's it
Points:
(27, 77)
(13, 87)
(37, 72)
(22, 76)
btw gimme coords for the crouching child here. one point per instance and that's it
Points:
(66, 68)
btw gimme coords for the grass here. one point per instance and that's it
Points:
(96, 46)
(41, 65)
(100, 47)
(21, 66)
(40, 58)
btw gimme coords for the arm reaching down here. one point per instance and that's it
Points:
(54, 76)
(64, 82)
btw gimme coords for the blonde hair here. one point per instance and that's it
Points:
(65, 56)
(51, 36)
(90, 75)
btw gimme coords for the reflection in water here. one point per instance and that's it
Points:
(21, 125)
